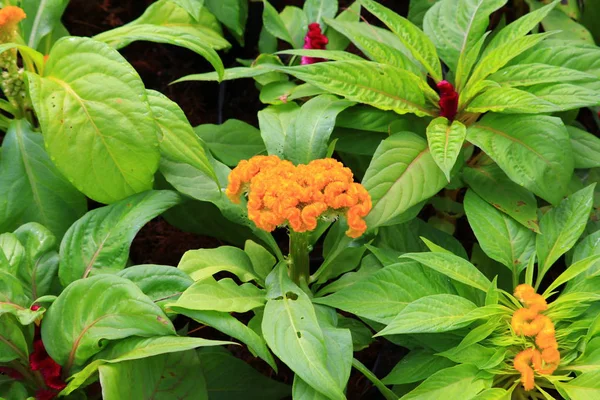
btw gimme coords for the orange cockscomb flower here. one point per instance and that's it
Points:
(280, 193)
(10, 16)
(529, 322)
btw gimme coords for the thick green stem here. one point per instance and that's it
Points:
(299, 261)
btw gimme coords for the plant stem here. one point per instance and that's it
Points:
(299, 261)
(387, 393)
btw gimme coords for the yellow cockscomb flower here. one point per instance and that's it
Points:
(280, 193)
(529, 322)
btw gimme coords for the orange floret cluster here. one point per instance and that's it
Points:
(10, 16)
(529, 322)
(281, 193)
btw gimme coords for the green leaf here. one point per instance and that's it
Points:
(416, 366)
(13, 345)
(312, 127)
(161, 283)
(534, 74)
(399, 163)
(42, 18)
(435, 313)
(12, 253)
(97, 310)
(193, 7)
(377, 44)
(276, 123)
(204, 263)
(178, 142)
(160, 377)
(501, 237)
(274, 24)
(456, 26)
(454, 267)
(561, 227)
(587, 247)
(222, 295)
(573, 271)
(337, 41)
(14, 300)
(413, 38)
(82, 104)
(510, 100)
(569, 29)
(417, 10)
(459, 382)
(316, 10)
(40, 264)
(136, 348)
(31, 188)
(445, 141)
(534, 151)
(565, 96)
(296, 24)
(291, 329)
(99, 241)
(228, 325)
(585, 386)
(232, 141)
(586, 148)
(383, 294)
(262, 260)
(228, 377)
(232, 13)
(490, 183)
(379, 85)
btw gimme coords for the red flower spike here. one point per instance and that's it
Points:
(314, 40)
(448, 100)
(39, 360)
(45, 394)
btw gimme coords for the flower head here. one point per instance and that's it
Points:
(314, 40)
(280, 193)
(448, 100)
(10, 16)
(40, 360)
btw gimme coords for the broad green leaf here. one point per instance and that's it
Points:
(584, 387)
(565, 96)
(413, 38)
(12, 253)
(161, 283)
(40, 264)
(291, 329)
(399, 163)
(229, 325)
(162, 377)
(376, 43)
(97, 310)
(361, 334)
(232, 13)
(459, 382)
(534, 74)
(312, 127)
(494, 394)
(262, 260)
(569, 28)
(337, 41)
(561, 227)
(77, 107)
(456, 26)
(383, 294)
(193, 7)
(511, 101)
(416, 366)
(417, 10)
(534, 151)
(586, 148)
(136, 348)
(178, 141)
(501, 237)
(228, 377)
(316, 10)
(232, 141)
(478, 355)
(274, 24)
(99, 241)
(276, 123)
(13, 343)
(42, 17)
(587, 247)
(222, 295)
(379, 85)
(573, 271)
(334, 55)
(490, 183)
(14, 300)
(519, 28)
(48, 40)
(454, 267)
(296, 24)
(31, 188)
(204, 263)
(435, 313)
(445, 141)
(466, 62)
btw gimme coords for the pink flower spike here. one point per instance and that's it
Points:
(314, 40)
